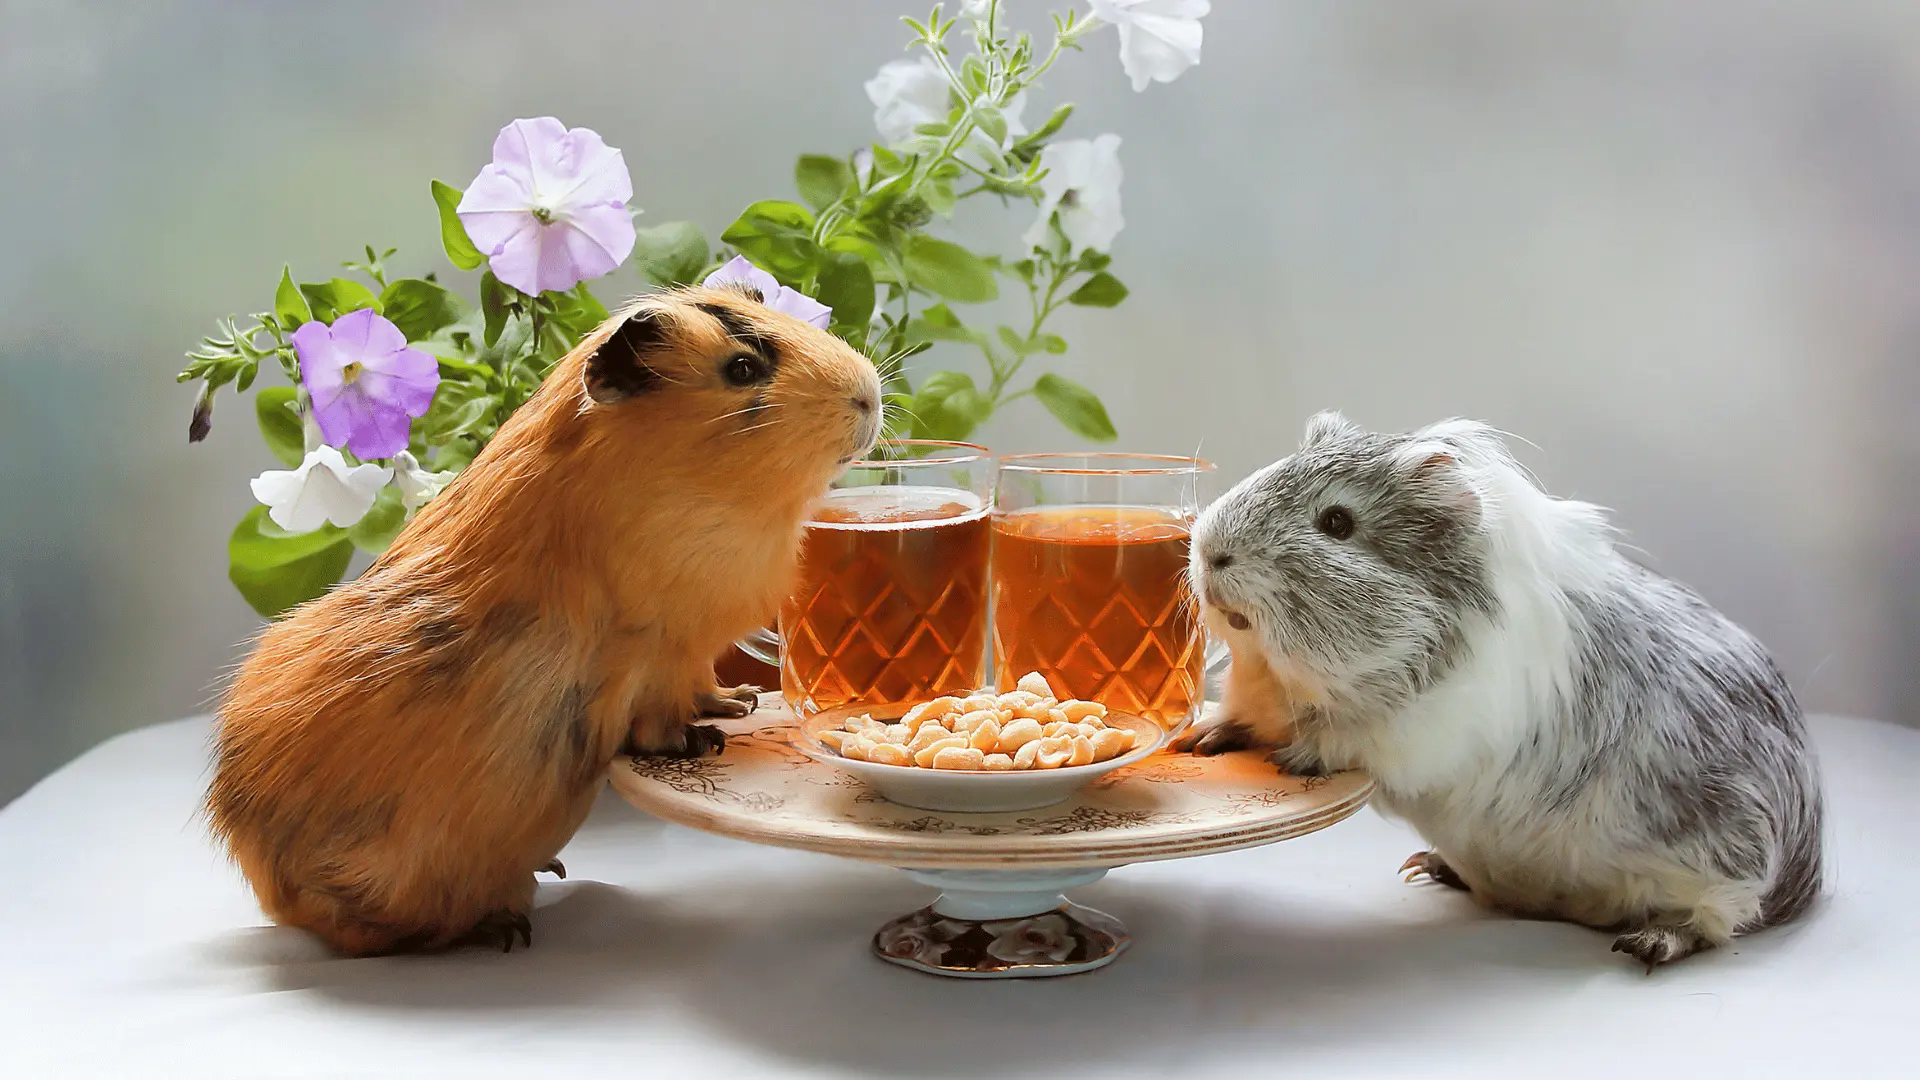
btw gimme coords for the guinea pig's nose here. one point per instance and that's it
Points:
(863, 403)
(1219, 561)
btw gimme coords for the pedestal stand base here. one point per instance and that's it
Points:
(1003, 924)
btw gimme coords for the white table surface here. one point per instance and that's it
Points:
(129, 948)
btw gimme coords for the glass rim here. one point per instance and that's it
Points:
(974, 452)
(1172, 464)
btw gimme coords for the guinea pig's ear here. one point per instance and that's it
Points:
(618, 369)
(1433, 469)
(1325, 427)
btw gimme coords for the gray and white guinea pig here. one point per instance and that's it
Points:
(1576, 736)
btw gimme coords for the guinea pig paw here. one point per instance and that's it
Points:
(1656, 945)
(729, 702)
(1434, 868)
(1297, 760)
(499, 928)
(1218, 738)
(556, 868)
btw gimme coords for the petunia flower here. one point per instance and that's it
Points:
(906, 94)
(551, 210)
(417, 485)
(363, 381)
(773, 294)
(1159, 39)
(324, 488)
(1082, 184)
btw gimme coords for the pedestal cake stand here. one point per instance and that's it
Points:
(1003, 878)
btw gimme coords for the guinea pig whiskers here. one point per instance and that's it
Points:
(753, 428)
(756, 407)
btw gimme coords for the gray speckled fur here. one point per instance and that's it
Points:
(1577, 736)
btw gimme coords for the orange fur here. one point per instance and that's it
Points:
(397, 759)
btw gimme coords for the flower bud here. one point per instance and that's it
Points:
(202, 421)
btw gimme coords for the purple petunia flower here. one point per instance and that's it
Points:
(363, 381)
(551, 210)
(773, 294)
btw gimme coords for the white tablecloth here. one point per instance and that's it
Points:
(129, 948)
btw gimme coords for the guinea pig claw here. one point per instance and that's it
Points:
(730, 703)
(500, 927)
(556, 868)
(704, 737)
(1218, 739)
(1435, 868)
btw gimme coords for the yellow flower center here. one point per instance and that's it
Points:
(351, 372)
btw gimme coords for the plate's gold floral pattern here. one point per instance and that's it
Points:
(1166, 806)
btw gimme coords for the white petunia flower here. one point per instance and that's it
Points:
(417, 485)
(1082, 184)
(1159, 39)
(322, 489)
(906, 94)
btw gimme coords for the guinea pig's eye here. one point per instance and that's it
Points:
(1335, 521)
(744, 369)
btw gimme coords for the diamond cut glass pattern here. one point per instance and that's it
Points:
(891, 603)
(1096, 599)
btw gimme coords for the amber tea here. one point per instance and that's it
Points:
(891, 605)
(1096, 599)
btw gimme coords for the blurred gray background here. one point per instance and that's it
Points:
(1676, 245)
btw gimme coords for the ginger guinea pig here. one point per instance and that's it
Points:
(398, 758)
(1577, 737)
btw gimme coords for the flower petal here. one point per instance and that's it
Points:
(343, 495)
(596, 174)
(600, 238)
(1158, 50)
(518, 261)
(365, 334)
(536, 151)
(495, 190)
(803, 307)
(738, 269)
(380, 433)
(905, 94)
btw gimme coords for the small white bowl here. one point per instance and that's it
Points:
(969, 791)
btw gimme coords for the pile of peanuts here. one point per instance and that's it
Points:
(1026, 728)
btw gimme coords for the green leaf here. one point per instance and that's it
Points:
(991, 122)
(468, 417)
(940, 197)
(1075, 406)
(1052, 343)
(420, 308)
(289, 306)
(846, 286)
(453, 235)
(577, 310)
(948, 406)
(1100, 290)
(494, 306)
(275, 570)
(332, 299)
(821, 179)
(939, 323)
(778, 237)
(1053, 124)
(280, 424)
(673, 253)
(383, 522)
(949, 270)
(1013, 341)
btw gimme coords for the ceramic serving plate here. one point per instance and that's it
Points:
(963, 791)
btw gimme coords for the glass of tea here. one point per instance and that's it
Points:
(891, 605)
(1090, 580)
